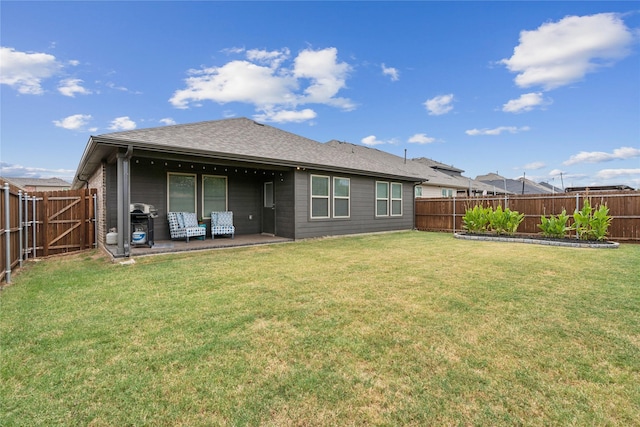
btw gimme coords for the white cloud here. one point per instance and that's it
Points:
(74, 122)
(534, 166)
(617, 173)
(274, 58)
(25, 71)
(326, 74)
(236, 81)
(497, 131)
(439, 105)
(526, 102)
(421, 138)
(122, 123)
(19, 171)
(621, 153)
(556, 172)
(391, 72)
(167, 121)
(112, 85)
(371, 141)
(314, 77)
(560, 53)
(71, 87)
(233, 50)
(285, 116)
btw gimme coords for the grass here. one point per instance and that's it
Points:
(407, 328)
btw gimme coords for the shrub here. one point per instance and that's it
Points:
(513, 220)
(499, 221)
(555, 226)
(475, 220)
(590, 224)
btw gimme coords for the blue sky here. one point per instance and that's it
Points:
(547, 89)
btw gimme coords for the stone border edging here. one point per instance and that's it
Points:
(572, 244)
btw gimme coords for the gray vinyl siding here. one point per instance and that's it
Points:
(285, 205)
(362, 209)
(149, 185)
(245, 194)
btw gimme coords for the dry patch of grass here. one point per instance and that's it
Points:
(396, 329)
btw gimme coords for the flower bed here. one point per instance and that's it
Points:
(539, 240)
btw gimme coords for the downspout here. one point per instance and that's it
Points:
(83, 180)
(124, 186)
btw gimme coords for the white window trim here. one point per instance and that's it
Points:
(312, 197)
(392, 199)
(388, 198)
(226, 193)
(347, 198)
(195, 189)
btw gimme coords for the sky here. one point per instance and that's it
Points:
(547, 90)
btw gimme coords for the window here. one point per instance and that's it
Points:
(319, 196)
(388, 198)
(382, 198)
(396, 199)
(341, 191)
(419, 191)
(214, 194)
(181, 192)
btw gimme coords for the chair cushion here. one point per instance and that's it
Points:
(225, 219)
(190, 219)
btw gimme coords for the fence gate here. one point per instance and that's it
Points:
(67, 221)
(44, 223)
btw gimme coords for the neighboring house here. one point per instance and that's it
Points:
(39, 184)
(449, 182)
(621, 187)
(275, 182)
(518, 186)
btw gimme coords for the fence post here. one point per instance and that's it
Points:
(95, 220)
(7, 233)
(454, 214)
(35, 224)
(577, 209)
(20, 224)
(25, 209)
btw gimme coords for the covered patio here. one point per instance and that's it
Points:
(195, 244)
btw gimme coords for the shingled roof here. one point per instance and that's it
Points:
(242, 139)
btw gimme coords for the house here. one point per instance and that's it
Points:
(274, 181)
(518, 186)
(620, 187)
(39, 184)
(448, 181)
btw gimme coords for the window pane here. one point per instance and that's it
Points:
(215, 194)
(341, 187)
(320, 208)
(268, 194)
(419, 191)
(320, 186)
(396, 207)
(381, 208)
(341, 207)
(396, 191)
(382, 190)
(182, 193)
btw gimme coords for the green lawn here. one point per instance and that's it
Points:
(407, 328)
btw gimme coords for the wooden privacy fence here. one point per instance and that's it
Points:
(445, 214)
(44, 223)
